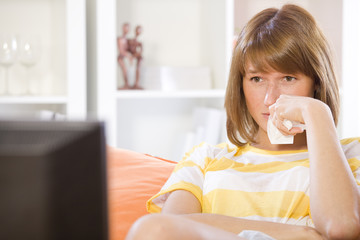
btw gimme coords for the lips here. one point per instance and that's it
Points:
(266, 115)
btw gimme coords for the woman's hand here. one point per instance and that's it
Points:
(294, 108)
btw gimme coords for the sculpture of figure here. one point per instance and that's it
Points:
(123, 48)
(130, 48)
(135, 48)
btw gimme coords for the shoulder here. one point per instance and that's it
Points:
(204, 152)
(350, 140)
(351, 147)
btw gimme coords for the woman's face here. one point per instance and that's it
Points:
(262, 89)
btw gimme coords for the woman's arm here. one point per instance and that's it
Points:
(184, 203)
(236, 225)
(181, 202)
(333, 191)
(335, 204)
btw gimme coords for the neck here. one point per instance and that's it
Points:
(263, 142)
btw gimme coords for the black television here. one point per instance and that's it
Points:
(53, 180)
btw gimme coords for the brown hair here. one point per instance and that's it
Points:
(286, 40)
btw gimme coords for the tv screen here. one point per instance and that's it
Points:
(53, 180)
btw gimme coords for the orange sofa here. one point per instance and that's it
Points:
(132, 179)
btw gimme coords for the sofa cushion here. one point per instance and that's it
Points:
(132, 179)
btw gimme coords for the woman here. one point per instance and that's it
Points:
(281, 70)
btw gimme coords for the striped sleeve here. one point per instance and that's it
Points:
(188, 175)
(351, 148)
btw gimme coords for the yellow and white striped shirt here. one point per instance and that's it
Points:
(250, 183)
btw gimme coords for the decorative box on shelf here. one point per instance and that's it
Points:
(168, 78)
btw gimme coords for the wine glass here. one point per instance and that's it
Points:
(8, 50)
(29, 54)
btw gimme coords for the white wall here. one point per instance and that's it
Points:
(170, 29)
(350, 118)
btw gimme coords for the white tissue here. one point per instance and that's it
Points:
(254, 235)
(276, 137)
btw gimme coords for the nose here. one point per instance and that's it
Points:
(272, 94)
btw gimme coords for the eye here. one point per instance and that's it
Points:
(289, 79)
(256, 79)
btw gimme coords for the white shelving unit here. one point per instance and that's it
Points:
(153, 121)
(58, 79)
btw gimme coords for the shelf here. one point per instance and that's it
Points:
(59, 75)
(156, 94)
(131, 114)
(33, 100)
